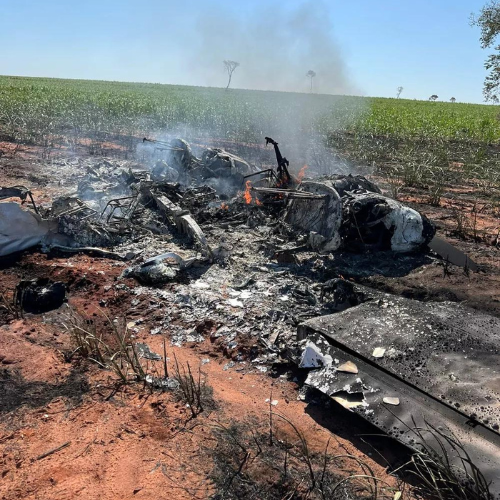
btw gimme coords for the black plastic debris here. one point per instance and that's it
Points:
(40, 295)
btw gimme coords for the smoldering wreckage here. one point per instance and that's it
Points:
(261, 252)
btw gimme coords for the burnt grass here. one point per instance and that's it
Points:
(16, 392)
(272, 465)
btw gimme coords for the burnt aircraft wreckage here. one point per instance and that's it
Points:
(397, 362)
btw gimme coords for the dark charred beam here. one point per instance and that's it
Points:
(183, 221)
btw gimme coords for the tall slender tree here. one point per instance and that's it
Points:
(230, 66)
(311, 74)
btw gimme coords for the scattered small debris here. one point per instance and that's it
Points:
(145, 352)
(391, 401)
(168, 383)
(378, 352)
(235, 303)
(348, 367)
(274, 402)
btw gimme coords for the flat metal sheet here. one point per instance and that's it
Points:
(450, 351)
(366, 392)
(442, 360)
(448, 252)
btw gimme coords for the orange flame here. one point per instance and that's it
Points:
(247, 195)
(301, 173)
(258, 202)
(224, 206)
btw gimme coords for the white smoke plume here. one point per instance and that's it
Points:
(275, 47)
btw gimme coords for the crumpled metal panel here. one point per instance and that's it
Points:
(21, 229)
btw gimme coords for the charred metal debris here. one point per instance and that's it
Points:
(253, 259)
(113, 205)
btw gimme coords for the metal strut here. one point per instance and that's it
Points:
(284, 177)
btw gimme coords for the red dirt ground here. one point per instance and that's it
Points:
(132, 444)
(117, 442)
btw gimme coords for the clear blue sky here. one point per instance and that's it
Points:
(366, 47)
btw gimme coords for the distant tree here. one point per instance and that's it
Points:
(230, 66)
(399, 90)
(489, 23)
(311, 74)
(453, 99)
(433, 97)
